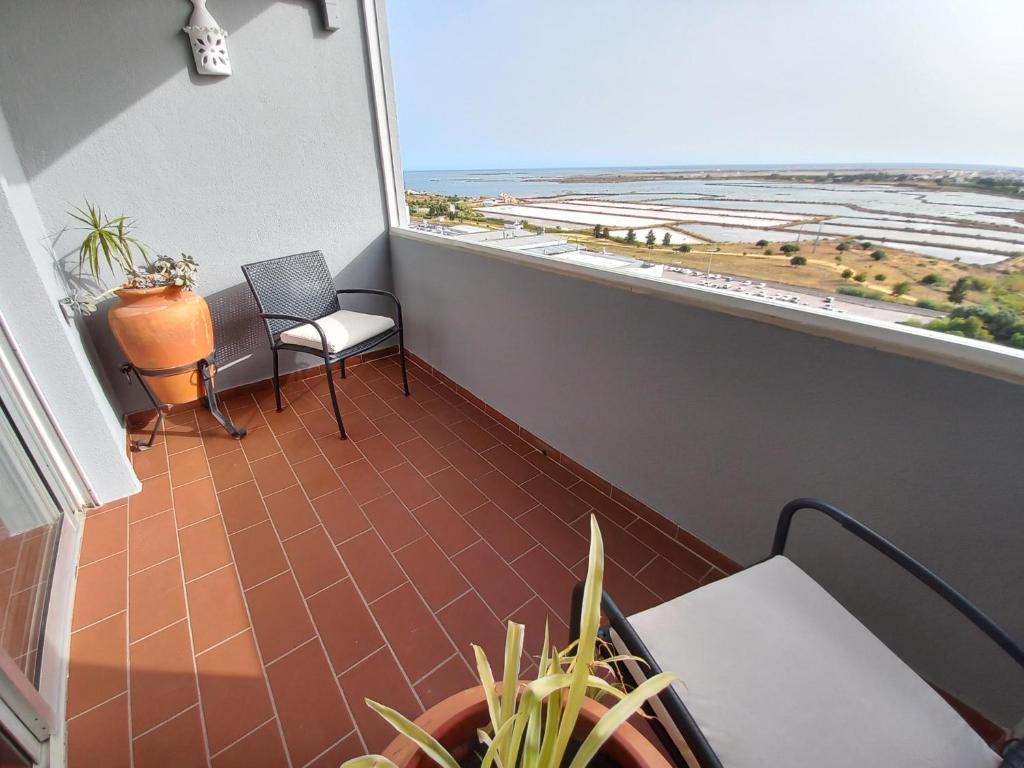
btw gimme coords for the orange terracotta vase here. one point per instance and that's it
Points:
(161, 328)
(454, 722)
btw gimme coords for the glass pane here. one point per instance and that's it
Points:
(29, 522)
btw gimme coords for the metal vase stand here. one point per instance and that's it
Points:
(209, 399)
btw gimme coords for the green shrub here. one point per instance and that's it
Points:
(864, 293)
(926, 304)
(768, 251)
(798, 261)
(878, 255)
(843, 246)
(761, 243)
(901, 289)
(684, 248)
(933, 278)
(866, 245)
(789, 248)
(847, 274)
(860, 277)
(880, 277)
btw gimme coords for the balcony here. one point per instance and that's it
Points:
(221, 602)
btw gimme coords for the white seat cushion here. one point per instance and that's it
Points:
(343, 329)
(777, 673)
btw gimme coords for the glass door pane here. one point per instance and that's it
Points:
(29, 526)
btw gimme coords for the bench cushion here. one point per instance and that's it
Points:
(343, 329)
(777, 673)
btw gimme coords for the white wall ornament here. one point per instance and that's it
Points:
(209, 41)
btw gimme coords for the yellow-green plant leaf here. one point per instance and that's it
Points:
(590, 618)
(618, 714)
(369, 761)
(510, 680)
(492, 755)
(431, 746)
(483, 668)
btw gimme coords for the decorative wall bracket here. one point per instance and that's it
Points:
(331, 14)
(209, 42)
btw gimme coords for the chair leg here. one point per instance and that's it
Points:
(341, 367)
(401, 356)
(277, 384)
(334, 400)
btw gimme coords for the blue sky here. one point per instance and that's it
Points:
(564, 83)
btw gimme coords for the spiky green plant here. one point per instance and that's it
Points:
(107, 241)
(531, 724)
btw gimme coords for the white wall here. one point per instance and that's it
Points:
(281, 157)
(717, 421)
(53, 349)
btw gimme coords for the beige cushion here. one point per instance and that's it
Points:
(777, 673)
(343, 329)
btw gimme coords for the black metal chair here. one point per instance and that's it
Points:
(669, 713)
(296, 291)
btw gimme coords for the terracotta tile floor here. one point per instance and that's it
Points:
(256, 591)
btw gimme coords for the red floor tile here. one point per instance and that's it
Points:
(497, 583)
(156, 598)
(216, 608)
(412, 631)
(188, 466)
(258, 554)
(316, 477)
(448, 679)
(380, 452)
(505, 493)
(100, 737)
(381, 679)
(233, 690)
(290, 511)
(550, 579)
(431, 572)
(230, 470)
(470, 622)
(447, 527)
(242, 506)
(345, 625)
(409, 485)
(260, 749)
(511, 464)
(362, 481)
(279, 616)
(163, 677)
(556, 498)
(102, 590)
(154, 497)
(459, 492)
(371, 565)
(99, 664)
(178, 742)
(273, 473)
(151, 540)
(204, 548)
(340, 515)
(314, 560)
(508, 538)
(309, 704)
(392, 521)
(194, 502)
(105, 534)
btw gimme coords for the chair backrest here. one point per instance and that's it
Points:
(298, 285)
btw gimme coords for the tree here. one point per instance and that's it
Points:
(933, 278)
(761, 243)
(684, 248)
(789, 248)
(798, 261)
(878, 255)
(605, 233)
(847, 274)
(958, 292)
(650, 239)
(843, 246)
(901, 289)
(666, 239)
(631, 237)
(866, 245)
(860, 277)
(768, 251)
(880, 277)
(597, 230)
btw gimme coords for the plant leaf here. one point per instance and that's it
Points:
(590, 617)
(431, 746)
(369, 761)
(483, 668)
(618, 714)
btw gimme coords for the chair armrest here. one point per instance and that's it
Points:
(303, 321)
(377, 292)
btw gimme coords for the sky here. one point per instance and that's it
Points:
(589, 83)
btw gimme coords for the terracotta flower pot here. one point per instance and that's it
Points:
(454, 722)
(164, 328)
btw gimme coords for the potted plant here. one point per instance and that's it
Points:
(160, 323)
(553, 721)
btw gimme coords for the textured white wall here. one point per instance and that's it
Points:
(281, 157)
(717, 421)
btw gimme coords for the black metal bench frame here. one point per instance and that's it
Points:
(1013, 754)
